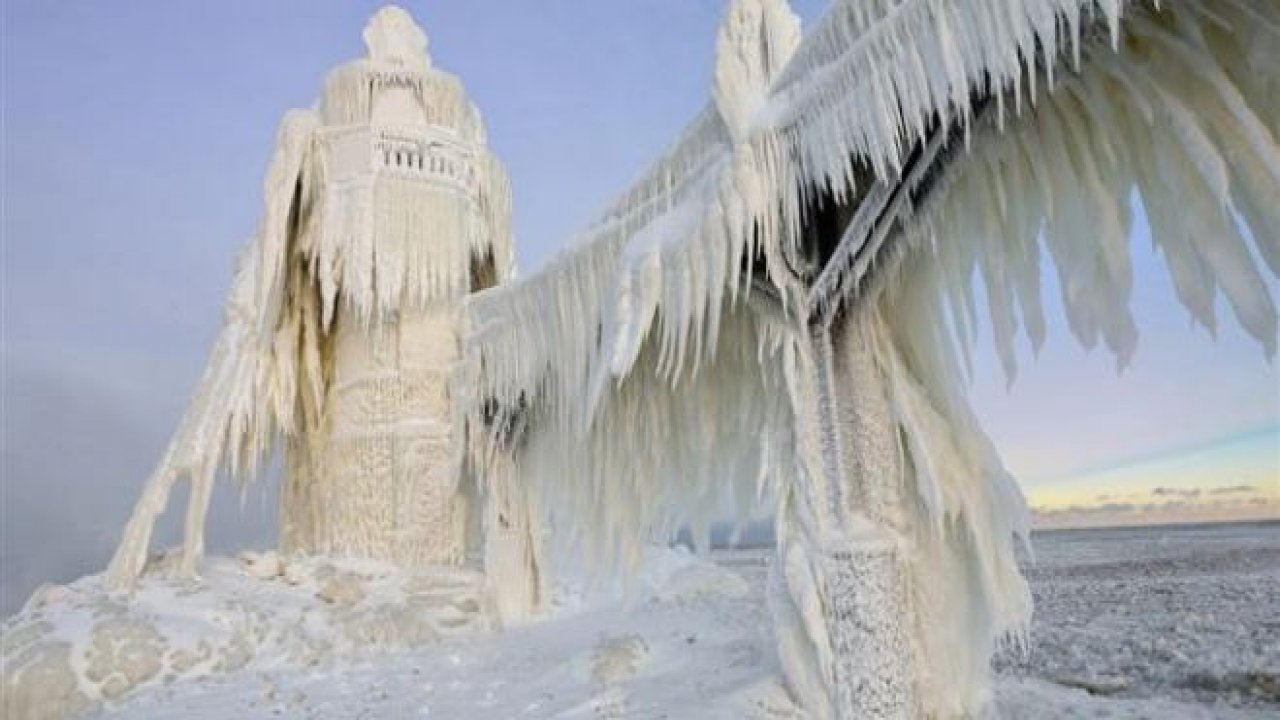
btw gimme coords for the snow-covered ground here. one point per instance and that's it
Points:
(1156, 623)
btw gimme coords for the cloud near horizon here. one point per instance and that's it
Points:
(1163, 504)
(1237, 477)
(1233, 490)
(1176, 492)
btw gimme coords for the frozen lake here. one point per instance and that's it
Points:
(1190, 613)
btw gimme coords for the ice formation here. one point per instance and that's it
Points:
(783, 306)
(383, 208)
(778, 314)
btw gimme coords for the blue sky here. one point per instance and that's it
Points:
(135, 136)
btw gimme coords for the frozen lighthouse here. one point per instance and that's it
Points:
(778, 317)
(411, 213)
(383, 209)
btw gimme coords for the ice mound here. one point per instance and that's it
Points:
(677, 575)
(76, 647)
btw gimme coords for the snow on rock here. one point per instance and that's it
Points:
(617, 657)
(690, 634)
(342, 589)
(79, 646)
(263, 566)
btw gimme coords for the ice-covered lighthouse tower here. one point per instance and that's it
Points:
(418, 211)
(383, 209)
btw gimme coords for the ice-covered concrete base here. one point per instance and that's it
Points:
(78, 646)
(867, 589)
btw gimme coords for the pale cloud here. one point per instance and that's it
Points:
(1176, 492)
(1234, 490)
(1221, 509)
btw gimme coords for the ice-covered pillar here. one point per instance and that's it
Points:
(513, 561)
(839, 597)
(842, 543)
(870, 616)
